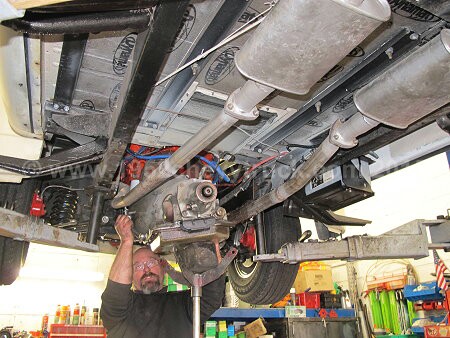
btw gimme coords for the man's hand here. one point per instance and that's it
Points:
(123, 226)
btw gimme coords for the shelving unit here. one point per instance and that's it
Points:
(430, 292)
(248, 314)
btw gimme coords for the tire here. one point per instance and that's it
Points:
(13, 252)
(266, 283)
(5, 333)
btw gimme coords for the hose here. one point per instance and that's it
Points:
(213, 165)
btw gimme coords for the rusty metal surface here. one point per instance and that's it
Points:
(211, 275)
(177, 235)
(32, 229)
(64, 160)
(190, 278)
(84, 121)
(81, 23)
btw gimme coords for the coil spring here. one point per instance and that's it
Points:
(61, 206)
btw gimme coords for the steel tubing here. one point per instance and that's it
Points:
(238, 105)
(185, 153)
(196, 295)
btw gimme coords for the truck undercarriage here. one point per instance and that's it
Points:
(215, 125)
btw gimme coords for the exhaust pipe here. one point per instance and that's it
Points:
(296, 50)
(342, 135)
(391, 99)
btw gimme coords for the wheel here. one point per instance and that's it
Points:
(13, 252)
(4, 333)
(266, 283)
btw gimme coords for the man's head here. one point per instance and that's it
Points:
(148, 273)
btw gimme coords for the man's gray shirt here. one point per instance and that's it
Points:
(127, 314)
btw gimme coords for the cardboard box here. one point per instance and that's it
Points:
(222, 326)
(230, 330)
(210, 328)
(315, 280)
(255, 329)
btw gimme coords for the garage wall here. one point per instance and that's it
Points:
(421, 191)
(25, 301)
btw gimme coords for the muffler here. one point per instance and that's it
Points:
(289, 51)
(410, 90)
(301, 40)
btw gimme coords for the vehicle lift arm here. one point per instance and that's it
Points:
(407, 241)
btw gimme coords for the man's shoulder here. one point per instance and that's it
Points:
(112, 284)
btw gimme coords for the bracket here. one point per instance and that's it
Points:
(232, 109)
(195, 279)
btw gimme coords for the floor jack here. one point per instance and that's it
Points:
(197, 281)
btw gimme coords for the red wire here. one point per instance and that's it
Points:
(260, 163)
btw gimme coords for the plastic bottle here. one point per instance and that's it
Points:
(44, 326)
(83, 315)
(76, 315)
(68, 315)
(410, 278)
(63, 315)
(293, 296)
(95, 316)
(57, 314)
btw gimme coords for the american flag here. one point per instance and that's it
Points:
(440, 269)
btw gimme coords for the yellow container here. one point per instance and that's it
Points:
(306, 266)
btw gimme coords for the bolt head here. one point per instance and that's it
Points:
(207, 191)
(414, 36)
(66, 108)
(55, 106)
(230, 106)
(336, 137)
(220, 212)
(105, 219)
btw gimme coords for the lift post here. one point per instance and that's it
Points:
(197, 281)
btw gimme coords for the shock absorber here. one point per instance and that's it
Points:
(61, 206)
